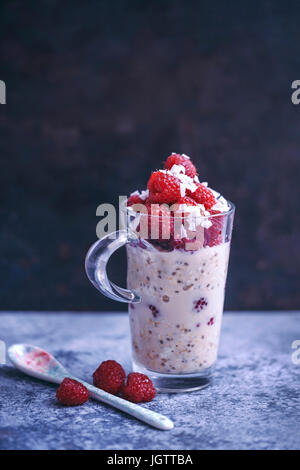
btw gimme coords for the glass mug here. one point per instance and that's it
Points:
(175, 298)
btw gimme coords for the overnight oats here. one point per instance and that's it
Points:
(176, 327)
(178, 233)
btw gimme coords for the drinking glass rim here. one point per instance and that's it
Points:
(127, 209)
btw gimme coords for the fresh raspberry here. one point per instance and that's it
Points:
(138, 388)
(157, 225)
(200, 304)
(203, 195)
(163, 188)
(213, 235)
(134, 199)
(177, 159)
(170, 245)
(188, 201)
(72, 393)
(163, 245)
(178, 244)
(160, 221)
(185, 200)
(214, 212)
(109, 376)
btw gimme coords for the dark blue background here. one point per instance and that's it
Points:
(99, 93)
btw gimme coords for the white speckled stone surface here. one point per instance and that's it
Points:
(254, 402)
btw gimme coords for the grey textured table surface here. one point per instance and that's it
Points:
(254, 402)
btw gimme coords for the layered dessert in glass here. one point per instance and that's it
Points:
(180, 233)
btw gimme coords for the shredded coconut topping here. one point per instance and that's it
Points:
(194, 215)
(142, 195)
(221, 204)
(182, 190)
(186, 182)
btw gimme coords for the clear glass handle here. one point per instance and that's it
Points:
(95, 266)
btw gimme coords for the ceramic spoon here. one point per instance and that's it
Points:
(38, 363)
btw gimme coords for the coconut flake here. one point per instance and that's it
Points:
(194, 212)
(182, 190)
(177, 170)
(144, 194)
(183, 233)
(206, 223)
(188, 182)
(221, 204)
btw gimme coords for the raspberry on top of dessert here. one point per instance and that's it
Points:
(178, 207)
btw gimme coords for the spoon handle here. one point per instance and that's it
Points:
(150, 417)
